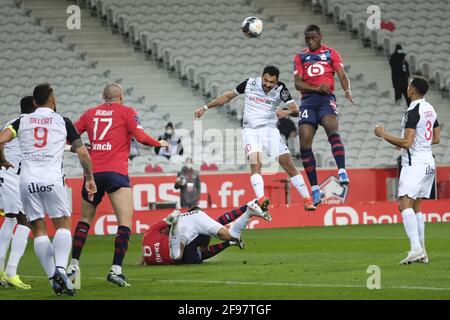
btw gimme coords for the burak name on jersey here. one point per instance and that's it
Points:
(35, 188)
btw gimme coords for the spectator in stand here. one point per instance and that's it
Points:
(188, 181)
(153, 168)
(209, 167)
(175, 146)
(400, 74)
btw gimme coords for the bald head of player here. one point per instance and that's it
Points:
(417, 88)
(43, 96)
(313, 37)
(113, 92)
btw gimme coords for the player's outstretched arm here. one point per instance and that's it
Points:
(405, 142)
(217, 102)
(86, 163)
(292, 111)
(345, 83)
(147, 140)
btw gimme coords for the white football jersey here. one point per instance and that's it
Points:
(12, 150)
(43, 135)
(260, 107)
(421, 117)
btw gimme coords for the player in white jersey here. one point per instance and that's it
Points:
(420, 130)
(187, 226)
(14, 213)
(43, 135)
(263, 96)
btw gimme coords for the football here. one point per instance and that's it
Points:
(252, 27)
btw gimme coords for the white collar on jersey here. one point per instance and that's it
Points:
(414, 103)
(44, 110)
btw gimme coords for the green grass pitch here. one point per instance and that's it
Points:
(295, 263)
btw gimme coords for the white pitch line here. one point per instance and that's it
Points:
(276, 284)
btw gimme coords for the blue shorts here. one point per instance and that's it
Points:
(108, 182)
(191, 253)
(314, 107)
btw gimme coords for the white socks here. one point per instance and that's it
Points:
(6, 233)
(300, 185)
(421, 227)
(258, 185)
(239, 225)
(116, 269)
(44, 250)
(62, 244)
(411, 228)
(18, 246)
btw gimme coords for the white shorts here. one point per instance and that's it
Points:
(191, 224)
(269, 139)
(9, 189)
(416, 181)
(44, 197)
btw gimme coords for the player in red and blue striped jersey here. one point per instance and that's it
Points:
(314, 72)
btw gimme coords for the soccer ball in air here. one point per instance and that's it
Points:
(252, 27)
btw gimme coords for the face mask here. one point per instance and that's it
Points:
(169, 131)
(189, 166)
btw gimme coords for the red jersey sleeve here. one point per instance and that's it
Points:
(80, 124)
(336, 60)
(298, 67)
(158, 226)
(132, 121)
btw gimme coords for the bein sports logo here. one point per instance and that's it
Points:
(335, 193)
(340, 216)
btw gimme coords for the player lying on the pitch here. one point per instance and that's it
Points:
(183, 238)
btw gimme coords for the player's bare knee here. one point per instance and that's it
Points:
(224, 234)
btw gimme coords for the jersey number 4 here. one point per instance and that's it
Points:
(304, 114)
(105, 130)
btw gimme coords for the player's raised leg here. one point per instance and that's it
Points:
(412, 230)
(421, 228)
(122, 202)
(253, 209)
(232, 215)
(296, 179)
(307, 132)
(256, 178)
(331, 126)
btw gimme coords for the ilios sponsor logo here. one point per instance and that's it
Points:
(36, 188)
(341, 216)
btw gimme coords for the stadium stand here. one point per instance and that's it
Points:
(177, 54)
